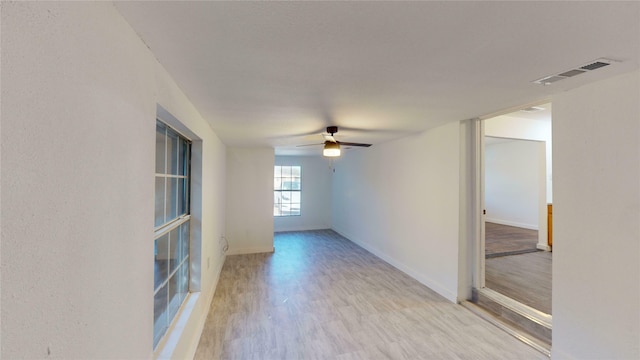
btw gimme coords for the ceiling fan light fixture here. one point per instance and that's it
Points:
(331, 149)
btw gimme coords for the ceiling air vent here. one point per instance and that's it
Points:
(571, 73)
(549, 80)
(593, 65)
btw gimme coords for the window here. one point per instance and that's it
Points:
(172, 221)
(286, 190)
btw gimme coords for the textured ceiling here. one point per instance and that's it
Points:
(277, 73)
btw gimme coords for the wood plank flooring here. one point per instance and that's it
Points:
(525, 278)
(515, 268)
(320, 296)
(501, 240)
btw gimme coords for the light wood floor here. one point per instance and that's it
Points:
(501, 240)
(525, 278)
(320, 296)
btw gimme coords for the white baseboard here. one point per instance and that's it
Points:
(252, 250)
(433, 285)
(543, 247)
(299, 228)
(512, 223)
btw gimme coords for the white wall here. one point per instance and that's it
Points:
(399, 200)
(79, 97)
(596, 254)
(510, 126)
(316, 194)
(250, 200)
(512, 176)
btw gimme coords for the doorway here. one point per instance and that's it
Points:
(516, 264)
(517, 187)
(513, 258)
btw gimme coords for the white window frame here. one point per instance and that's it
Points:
(167, 227)
(278, 206)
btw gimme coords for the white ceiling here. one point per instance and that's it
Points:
(277, 73)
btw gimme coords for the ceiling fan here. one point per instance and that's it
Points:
(332, 146)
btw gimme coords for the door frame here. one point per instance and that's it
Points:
(480, 209)
(475, 202)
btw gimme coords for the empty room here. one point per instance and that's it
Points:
(301, 180)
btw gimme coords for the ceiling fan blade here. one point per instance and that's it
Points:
(309, 145)
(353, 144)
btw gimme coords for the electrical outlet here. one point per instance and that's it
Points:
(208, 263)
